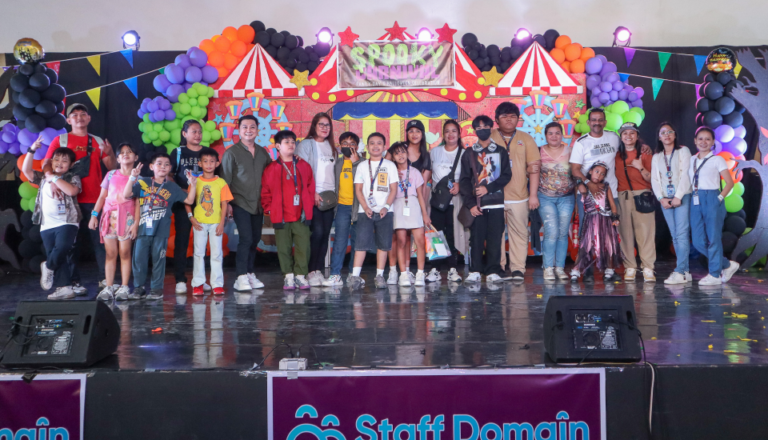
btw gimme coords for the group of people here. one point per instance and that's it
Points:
(472, 193)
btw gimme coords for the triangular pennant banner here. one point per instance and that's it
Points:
(663, 59)
(629, 53)
(95, 95)
(737, 69)
(54, 65)
(656, 83)
(700, 61)
(133, 86)
(162, 70)
(624, 77)
(128, 54)
(95, 61)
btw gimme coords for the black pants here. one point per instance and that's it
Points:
(443, 221)
(249, 230)
(487, 232)
(322, 222)
(88, 237)
(59, 243)
(183, 229)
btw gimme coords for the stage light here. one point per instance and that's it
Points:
(424, 34)
(131, 40)
(522, 34)
(324, 36)
(622, 37)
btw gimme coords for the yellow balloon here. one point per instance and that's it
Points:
(28, 50)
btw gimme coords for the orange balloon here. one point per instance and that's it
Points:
(230, 32)
(577, 66)
(37, 165)
(230, 61)
(736, 176)
(222, 45)
(572, 51)
(245, 33)
(215, 37)
(216, 59)
(207, 46)
(728, 157)
(587, 53)
(238, 48)
(566, 65)
(558, 55)
(248, 47)
(562, 41)
(223, 72)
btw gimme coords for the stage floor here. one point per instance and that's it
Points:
(434, 326)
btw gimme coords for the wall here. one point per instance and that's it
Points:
(96, 25)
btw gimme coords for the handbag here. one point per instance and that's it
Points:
(441, 193)
(330, 200)
(82, 167)
(645, 203)
(465, 216)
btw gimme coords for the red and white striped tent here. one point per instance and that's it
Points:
(257, 72)
(536, 70)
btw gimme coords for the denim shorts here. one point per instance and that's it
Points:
(374, 233)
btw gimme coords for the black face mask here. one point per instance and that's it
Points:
(483, 133)
(346, 151)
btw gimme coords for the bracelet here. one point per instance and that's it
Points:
(94, 213)
(189, 215)
(55, 178)
(132, 178)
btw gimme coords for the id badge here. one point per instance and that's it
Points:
(696, 200)
(406, 211)
(371, 202)
(670, 191)
(296, 200)
(148, 223)
(450, 184)
(61, 208)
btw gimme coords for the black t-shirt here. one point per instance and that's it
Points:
(190, 160)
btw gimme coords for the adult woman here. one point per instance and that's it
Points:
(319, 149)
(633, 174)
(242, 167)
(555, 201)
(671, 186)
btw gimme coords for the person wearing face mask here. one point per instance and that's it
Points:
(346, 210)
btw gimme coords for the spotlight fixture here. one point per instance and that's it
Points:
(424, 34)
(131, 40)
(621, 37)
(324, 36)
(522, 34)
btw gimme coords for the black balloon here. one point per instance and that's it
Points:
(473, 55)
(54, 93)
(291, 42)
(740, 108)
(741, 213)
(710, 77)
(59, 107)
(262, 38)
(468, 38)
(301, 67)
(40, 68)
(540, 39)
(704, 105)
(258, 26)
(301, 41)
(725, 77)
(701, 90)
(495, 60)
(290, 65)
(714, 90)
(39, 81)
(735, 225)
(522, 42)
(285, 33)
(27, 69)
(29, 98)
(310, 49)
(322, 49)
(313, 57)
(303, 58)
(734, 119)
(729, 87)
(515, 52)
(26, 219)
(505, 54)
(549, 37)
(271, 31)
(713, 119)
(34, 234)
(729, 242)
(46, 109)
(277, 39)
(283, 52)
(493, 50)
(28, 248)
(21, 113)
(272, 51)
(35, 123)
(482, 52)
(19, 82)
(57, 121)
(15, 96)
(725, 105)
(312, 65)
(699, 119)
(52, 75)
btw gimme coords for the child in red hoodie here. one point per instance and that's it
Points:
(287, 196)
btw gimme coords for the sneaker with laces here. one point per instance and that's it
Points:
(181, 287)
(392, 278)
(355, 282)
(729, 271)
(675, 278)
(62, 293)
(121, 294)
(102, 284)
(608, 274)
(453, 275)
(575, 274)
(218, 291)
(629, 274)
(420, 278)
(79, 290)
(549, 274)
(560, 273)
(349, 278)
(242, 284)
(709, 280)
(46, 277)
(155, 294)
(289, 283)
(688, 277)
(404, 281)
(107, 293)
(473, 278)
(254, 282)
(648, 275)
(333, 281)
(518, 275)
(138, 293)
(434, 276)
(302, 282)
(316, 279)
(411, 277)
(380, 282)
(196, 291)
(493, 278)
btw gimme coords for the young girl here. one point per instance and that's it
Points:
(118, 227)
(707, 208)
(599, 238)
(410, 214)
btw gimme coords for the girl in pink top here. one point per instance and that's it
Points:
(118, 227)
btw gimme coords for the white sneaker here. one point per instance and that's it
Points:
(709, 280)
(405, 280)
(560, 273)
(181, 287)
(688, 277)
(675, 278)
(419, 279)
(648, 275)
(493, 278)
(254, 282)
(434, 276)
(301, 282)
(473, 278)
(354, 282)
(608, 274)
(62, 293)
(288, 283)
(729, 271)
(333, 281)
(46, 279)
(107, 293)
(78, 289)
(206, 287)
(316, 279)
(242, 284)
(629, 274)
(392, 277)
(121, 294)
(453, 275)
(549, 274)
(411, 276)
(102, 284)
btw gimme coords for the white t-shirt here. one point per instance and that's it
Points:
(587, 150)
(324, 178)
(387, 176)
(709, 173)
(442, 162)
(53, 210)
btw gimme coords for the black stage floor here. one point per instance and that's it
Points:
(434, 326)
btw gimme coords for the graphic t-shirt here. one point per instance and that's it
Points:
(156, 200)
(209, 195)
(324, 178)
(415, 180)
(79, 144)
(587, 150)
(387, 175)
(54, 210)
(555, 179)
(346, 184)
(190, 160)
(114, 182)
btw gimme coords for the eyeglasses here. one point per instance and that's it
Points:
(667, 133)
(324, 125)
(348, 144)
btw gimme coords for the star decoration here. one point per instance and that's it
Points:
(538, 128)
(492, 77)
(470, 130)
(300, 79)
(348, 37)
(579, 103)
(218, 119)
(445, 33)
(396, 32)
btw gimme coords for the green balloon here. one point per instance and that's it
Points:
(203, 101)
(153, 135)
(639, 111)
(146, 118)
(629, 116)
(582, 127)
(183, 98)
(145, 138)
(583, 119)
(158, 127)
(722, 186)
(192, 93)
(614, 121)
(157, 143)
(176, 108)
(738, 189)
(205, 144)
(24, 203)
(165, 136)
(176, 136)
(734, 203)
(196, 112)
(210, 92)
(206, 136)
(141, 126)
(199, 88)
(185, 109)
(169, 148)
(192, 102)
(215, 135)
(169, 125)
(620, 107)
(26, 190)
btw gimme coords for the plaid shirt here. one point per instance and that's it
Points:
(73, 209)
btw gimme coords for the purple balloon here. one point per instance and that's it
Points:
(152, 106)
(595, 101)
(189, 51)
(198, 57)
(592, 81)
(628, 88)
(593, 65)
(26, 137)
(631, 97)
(3, 147)
(608, 68)
(606, 86)
(614, 95)
(170, 115)
(9, 128)
(613, 77)
(182, 61)
(724, 133)
(637, 103)
(8, 136)
(187, 86)
(14, 148)
(737, 146)
(40, 154)
(639, 92)
(141, 113)
(174, 73)
(161, 83)
(152, 118)
(24, 148)
(618, 86)
(143, 106)
(165, 104)
(193, 74)
(49, 134)
(604, 97)
(159, 115)
(203, 82)
(623, 95)
(174, 91)
(740, 131)
(602, 58)
(210, 74)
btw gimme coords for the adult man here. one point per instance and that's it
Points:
(90, 150)
(525, 162)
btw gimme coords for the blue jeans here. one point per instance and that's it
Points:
(678, 219)
(556, 213)
(707, 228)
(142, 249)
(343, 229)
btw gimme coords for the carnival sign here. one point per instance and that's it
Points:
(541, 404)
(396, 65)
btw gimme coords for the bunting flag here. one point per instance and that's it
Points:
(133, 86)
(700, 60)
(95, 61)
(54, 65)
(656, 84)
(629, 53)
(664, 59)
(737, 69)
(624, 77)
(95, 95)
(128, 54)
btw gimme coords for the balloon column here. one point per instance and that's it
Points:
(488, 57)
(289, 49)
(17, 141)
(188, 68)
(38, 99)
(31, 248)
(571, 56)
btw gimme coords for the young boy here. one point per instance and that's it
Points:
(287, 196)
(59, 219)
(375, 188)
(213, 195)
(156, 196)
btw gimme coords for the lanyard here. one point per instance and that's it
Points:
(374, 176)
(669, 165)
(510, 139)
(292, 175)
(696, 173)
(404, 185)
(153, 195)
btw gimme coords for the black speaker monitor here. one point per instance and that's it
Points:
(592, 329)
(62, 334)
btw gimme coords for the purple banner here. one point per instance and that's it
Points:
(542, 404)
(50, 407)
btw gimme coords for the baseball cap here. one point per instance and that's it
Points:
(76, 106)
(628, 126)
(415, 123)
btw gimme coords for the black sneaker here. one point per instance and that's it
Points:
(138, 293)
(518, 276)
(155, 294)
(506, 275)
(588, 278)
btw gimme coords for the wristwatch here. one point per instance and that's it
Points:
(388, 207)
(579, 182)
(189, 215)
(720, 197)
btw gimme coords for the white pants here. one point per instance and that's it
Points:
(202, 238)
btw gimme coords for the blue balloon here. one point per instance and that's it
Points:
(592, 80)
(623, 95)
(614, 95)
